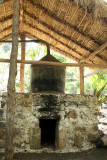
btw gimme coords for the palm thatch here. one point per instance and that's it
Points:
(73, 28)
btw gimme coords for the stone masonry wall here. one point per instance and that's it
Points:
(76, 116)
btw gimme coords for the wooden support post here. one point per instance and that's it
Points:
(11, 99)
(22, 65)
(81, 80)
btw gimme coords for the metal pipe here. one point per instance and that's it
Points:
(36, 41)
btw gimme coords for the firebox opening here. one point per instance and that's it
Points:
(48, 130)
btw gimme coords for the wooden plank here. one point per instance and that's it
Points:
(82, 80)
(22, 66)
(94, 72)
(55, 63)
(21, 17)
(11, 99)
(102, 47)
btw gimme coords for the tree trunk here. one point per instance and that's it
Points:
(9, 138)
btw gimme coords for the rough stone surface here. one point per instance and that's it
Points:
(2, 143)
(75, 115)
(2, 133)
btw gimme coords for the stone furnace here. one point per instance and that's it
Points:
(49, 120)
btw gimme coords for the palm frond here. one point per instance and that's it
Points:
(101, 90)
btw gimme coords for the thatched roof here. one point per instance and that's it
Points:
(74, 28)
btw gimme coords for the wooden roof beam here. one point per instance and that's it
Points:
(60, 34)
(102, 47)
(95, 72)
(6, 37)
(55, 63)
(6, 19)
(39, 30)
(103, 58)
(52, 15)
(71, 49)
(56, 49)
(6, 29)
(64, 44)
(57, 32)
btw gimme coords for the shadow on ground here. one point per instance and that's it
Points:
(96, 154)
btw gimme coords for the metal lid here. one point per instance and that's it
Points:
(49, 57)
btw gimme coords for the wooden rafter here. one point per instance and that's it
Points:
(48, 34)
(57, 40)
(56, 49)
(64, 22)
(57, 32)
(6, 37)
(96, 71)
(102, 57)
(6, 29)
(102, 47)
(3, 20)
(68, 38)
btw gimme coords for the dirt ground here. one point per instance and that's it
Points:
(96, 154)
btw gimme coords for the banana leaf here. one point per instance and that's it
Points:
(101, 90)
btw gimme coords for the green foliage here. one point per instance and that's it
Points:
(98, 92)
(34, 51)
(6, 47)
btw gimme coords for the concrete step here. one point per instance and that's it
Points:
(103, 112)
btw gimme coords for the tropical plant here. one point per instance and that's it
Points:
(98, 94)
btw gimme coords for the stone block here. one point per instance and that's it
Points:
(26, 95)
(75, 120)
(2, 133)
(80, 129)
(36, 99)
(19, 115)
(95, 127)
(71, 114)
(92, 137)
(2, 143)
(3, 104)
(18, 145)
(1, 112)
(61, 140)
(2, 125)
(35, 138)
(78, 140)
(2, 118)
